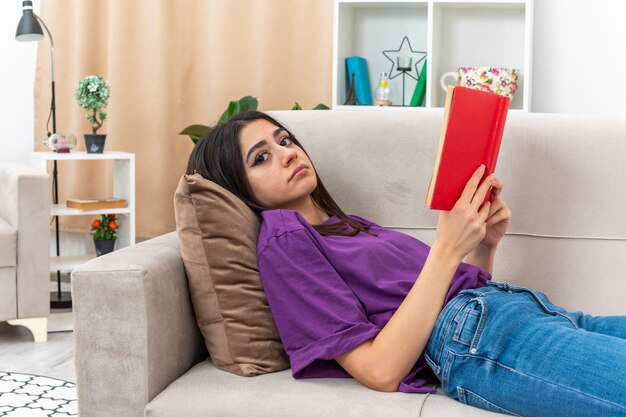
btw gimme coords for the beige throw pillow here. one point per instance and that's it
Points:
(218, 235)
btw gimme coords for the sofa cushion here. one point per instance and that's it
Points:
(8, 244)
(218, 235)
(205, 391)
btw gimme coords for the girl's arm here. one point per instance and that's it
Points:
(381, 363)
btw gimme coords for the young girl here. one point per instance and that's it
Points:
(351, 298)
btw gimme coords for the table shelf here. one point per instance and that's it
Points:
(68, 263)
(63, 210)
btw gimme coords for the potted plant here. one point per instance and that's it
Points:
(92, 94)
(104, 232)
(196, 132)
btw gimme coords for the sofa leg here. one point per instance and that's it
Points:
(38, 327)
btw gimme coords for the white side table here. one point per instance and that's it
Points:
(123, 187)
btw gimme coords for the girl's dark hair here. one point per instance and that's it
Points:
(217, 157)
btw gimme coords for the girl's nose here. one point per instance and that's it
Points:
(287, 155)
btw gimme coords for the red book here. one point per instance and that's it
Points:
(473, 122)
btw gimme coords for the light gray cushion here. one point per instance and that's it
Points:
(205, 391)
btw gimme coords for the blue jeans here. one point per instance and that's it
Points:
(508, 349)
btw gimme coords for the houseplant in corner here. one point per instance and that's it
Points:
(247, 103)
(104, 232)
(93, 94)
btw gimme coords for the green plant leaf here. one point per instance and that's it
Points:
(296, 106)
(195, 130)
(248, 103)
(321, 106)
(233, 109)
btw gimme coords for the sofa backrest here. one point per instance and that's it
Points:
(564, 176)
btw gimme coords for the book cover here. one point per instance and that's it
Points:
(420, 88)
(358, 66)
(471, 133)
(96, 203)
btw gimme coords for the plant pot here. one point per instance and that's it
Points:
(104, 246)
(94, 143)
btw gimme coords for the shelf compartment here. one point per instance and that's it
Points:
(121, 167)
(478, 34)
(366, 29)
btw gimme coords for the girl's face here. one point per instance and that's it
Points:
(279, 172)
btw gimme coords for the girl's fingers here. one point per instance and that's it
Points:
(498, 216)
(472, 185)
(483, 212)
(496, 204)
(496, 188)
(482, 190)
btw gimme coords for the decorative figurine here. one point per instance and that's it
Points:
(352, 98)
(383, 93)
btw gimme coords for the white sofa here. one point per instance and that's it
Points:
(139, 352)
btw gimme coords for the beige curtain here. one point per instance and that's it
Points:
(171, 64)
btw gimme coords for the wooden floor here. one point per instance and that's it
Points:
(54, 358)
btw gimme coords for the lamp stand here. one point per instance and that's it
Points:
(58, 299)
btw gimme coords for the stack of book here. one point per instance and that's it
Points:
(96, 203)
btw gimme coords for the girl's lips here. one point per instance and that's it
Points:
(298, 171)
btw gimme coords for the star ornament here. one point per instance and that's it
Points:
(405, 50)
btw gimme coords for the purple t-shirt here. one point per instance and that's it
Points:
(329, 294)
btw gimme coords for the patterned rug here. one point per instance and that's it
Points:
(23, 395)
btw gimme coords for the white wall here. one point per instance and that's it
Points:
(578, 58)
(577, 66)
(17, 78)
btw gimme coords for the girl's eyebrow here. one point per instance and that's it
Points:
(263, 142)
(255, 146)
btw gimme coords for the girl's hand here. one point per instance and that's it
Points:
(498, 218)
(461, 229)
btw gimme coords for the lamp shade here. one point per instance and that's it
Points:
(28, 29)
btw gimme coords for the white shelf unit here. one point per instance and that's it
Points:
(123, 187)
(496, 33)
(68, 263)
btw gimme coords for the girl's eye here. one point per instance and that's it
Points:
(260, 158)
(263, 155)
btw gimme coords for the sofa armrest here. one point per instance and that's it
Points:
(134, 327)
(25, 205)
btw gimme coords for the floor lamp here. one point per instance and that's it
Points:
(29, 30)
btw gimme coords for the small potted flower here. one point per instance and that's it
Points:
(93, 94)
(104, 232)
